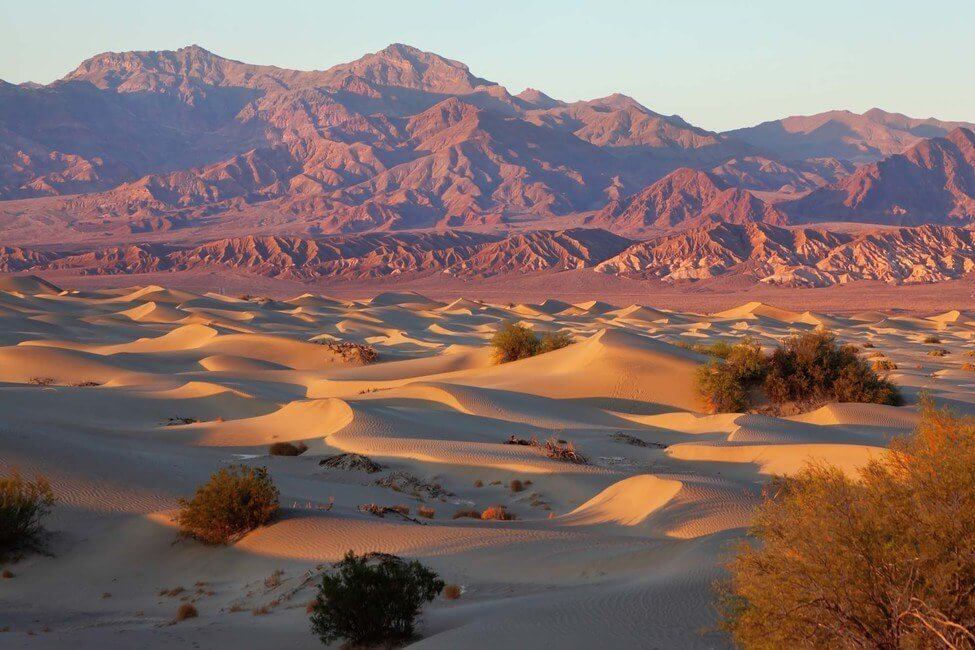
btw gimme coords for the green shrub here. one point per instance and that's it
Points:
(371, 600)
(811, 368)
(725, 384)
(513, 342)
(554, 341)
(23, 503)
(235, 501)
(882, 560)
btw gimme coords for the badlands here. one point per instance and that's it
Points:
(128, 399)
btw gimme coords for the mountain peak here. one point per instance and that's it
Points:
(409, 67)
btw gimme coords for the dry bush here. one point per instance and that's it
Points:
(372, 600)
(970, 367)
(426, 512)
(185, 611)
(287, 449)
(354, 353)
(498, 512)
(938, 352)
(274, 580)
(931, 338)
(478, 483)
(868, 344)
(6, 574)
(23, 504)
(452, 592)
(883, 560)
(235, 501)
(41, 381)
(883, 365)
(563, 450)
(516, 485)
(467, 513)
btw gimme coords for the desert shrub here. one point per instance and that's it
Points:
(513, 341)
(185, 611)
(516, 485)
(810, 368)
(287, 449)
(452, 592)
(554, 341)
(725, 383)
(467, 513)
(882, 365)
(372, 600)
(931, 338)
(426, 512)
(970, 367)
(497, 512)
(938, 352)
(868, 344)
(885, 559)
(23, 504)
(236, 500)
(813, 368)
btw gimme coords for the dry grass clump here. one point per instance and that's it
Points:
(354, 353)
(478, 483)
(372, 600)
(499, 512)
(516, 485)
(883, 365)
(185, 611)
(287, 449)
(426, 512)
(970, 367)
(806, 371)
(41, 381)
(235, 501)
(452, 592)
(23, 504)
(882, 560)
(512, 342)
(467, 513)
(274, 580)
(938, 352)
(563, 450)
(931, 338)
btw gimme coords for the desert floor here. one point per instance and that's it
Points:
(619, 552)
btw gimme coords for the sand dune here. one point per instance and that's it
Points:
(129, 399)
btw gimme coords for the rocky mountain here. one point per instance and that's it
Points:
(845, 135)
(802, 256)
(931, 182)
(186, 145)
(760, 251)
(684, 197)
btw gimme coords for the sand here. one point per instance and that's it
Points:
(619, 552)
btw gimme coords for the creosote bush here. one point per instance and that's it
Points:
(235, 501)
(372, 599)
(806, 370)
(287, 449)
(885, 559)
(512, 342)
(23, 504)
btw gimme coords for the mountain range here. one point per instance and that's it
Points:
(176, 159)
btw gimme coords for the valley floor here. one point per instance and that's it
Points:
(619, 552)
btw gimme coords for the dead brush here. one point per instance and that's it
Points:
(558, 449)
(498, 512)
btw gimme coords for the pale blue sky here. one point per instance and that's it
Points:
(719, 64)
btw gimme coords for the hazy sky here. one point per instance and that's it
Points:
(718, 63)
